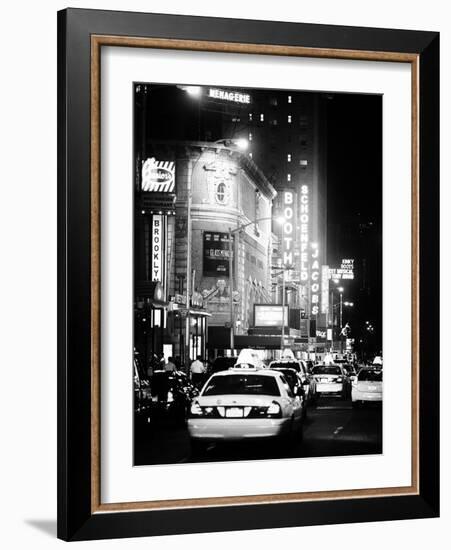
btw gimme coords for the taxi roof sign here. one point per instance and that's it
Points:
(249, 358)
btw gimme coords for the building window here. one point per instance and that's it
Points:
(221, 193)
(250, 136)
(250, 155)
(289, 119)
(273, 122)
(303, 121)
(262, 117)
(288, 157)
(303, 162)
(289, 99)
(236, 119)
(273, 101)
(288, 177)
(250, 116)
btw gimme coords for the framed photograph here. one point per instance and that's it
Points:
(248, 274)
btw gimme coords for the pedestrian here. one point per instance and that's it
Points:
(152, 366)
(197, 371)
(178, 362)
(170, 365)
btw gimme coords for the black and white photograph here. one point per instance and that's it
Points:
(257, 274)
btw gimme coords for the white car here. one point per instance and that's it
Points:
(301, 368)
(330, 379)
(367, 386)
(245, 403)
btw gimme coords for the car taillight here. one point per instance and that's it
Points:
(196, 409)
(170, 397)
(339, 379)
(274, 410)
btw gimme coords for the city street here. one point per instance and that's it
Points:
(332, 428)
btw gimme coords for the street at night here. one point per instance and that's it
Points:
(332, 428)
(257, 274)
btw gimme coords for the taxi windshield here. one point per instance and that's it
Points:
(370, 375)
(323, 369)
(242, 384)
(286, 365)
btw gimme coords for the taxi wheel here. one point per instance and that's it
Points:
(300, 432)
(198, 447)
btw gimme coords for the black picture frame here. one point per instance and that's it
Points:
(76, 518)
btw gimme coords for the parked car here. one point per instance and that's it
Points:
(330, 379)
(295, 381)
(308, 381)
(367, 387)
(172, 393)
(142, 398)
(245, 403)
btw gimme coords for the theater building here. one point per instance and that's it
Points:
(183, 244)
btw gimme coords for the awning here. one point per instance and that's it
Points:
(151, 291)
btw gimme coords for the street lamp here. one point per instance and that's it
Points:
(193, 91)
(239, 143)
(231, 233)
(341, 290)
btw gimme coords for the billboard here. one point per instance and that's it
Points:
(216, 254)
(229, 95)
(157, 248)
(345, 271)
(270, 315)
(158, 176)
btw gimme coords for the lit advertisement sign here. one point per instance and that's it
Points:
(324, 289)
(266, 315)
(288, 228)
(304, 232)
(227, 95)
(314, 280)
(345, 271)
(216, 254)
(158, 176)
(156, 252)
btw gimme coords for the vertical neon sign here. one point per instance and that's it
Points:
(304, 232)
(314, 277)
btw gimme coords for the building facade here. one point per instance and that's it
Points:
(216, 215)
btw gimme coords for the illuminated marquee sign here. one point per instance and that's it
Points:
(270, 315)
(158, 176)
(314, 280)
(345, 271)
(225, 95)
(304, 232)
(288, 228)
(156, 252)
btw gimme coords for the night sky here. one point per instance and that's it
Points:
(354, 180)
